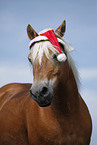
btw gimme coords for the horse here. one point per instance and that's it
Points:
(50, 111)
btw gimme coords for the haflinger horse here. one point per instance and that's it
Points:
(51, 111)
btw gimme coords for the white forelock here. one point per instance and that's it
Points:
(41, 48)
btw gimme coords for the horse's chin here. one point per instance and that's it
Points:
(43, 102)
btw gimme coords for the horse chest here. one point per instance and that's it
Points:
(54, 134)
(70, 139)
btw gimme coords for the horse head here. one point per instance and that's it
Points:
(48, 56)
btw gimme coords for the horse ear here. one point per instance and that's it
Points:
(61, 29)
(31, 32)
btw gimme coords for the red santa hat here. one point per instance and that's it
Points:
(49, 35)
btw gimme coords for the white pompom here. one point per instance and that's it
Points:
(61, 57)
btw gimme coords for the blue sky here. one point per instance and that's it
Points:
(81, 32)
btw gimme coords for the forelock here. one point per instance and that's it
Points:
(39, 49)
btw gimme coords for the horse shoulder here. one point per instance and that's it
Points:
(12, 100)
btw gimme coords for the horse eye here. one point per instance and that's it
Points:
(55, 57)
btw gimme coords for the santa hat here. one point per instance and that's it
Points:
(49, 35)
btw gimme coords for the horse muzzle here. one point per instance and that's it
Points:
(42, 93)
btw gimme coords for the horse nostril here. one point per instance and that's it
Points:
(44, 91)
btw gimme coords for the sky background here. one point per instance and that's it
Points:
(81, 32)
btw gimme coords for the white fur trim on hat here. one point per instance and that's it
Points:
(40, 38)
(37, 39)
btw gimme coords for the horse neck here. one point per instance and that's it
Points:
(66, 96)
